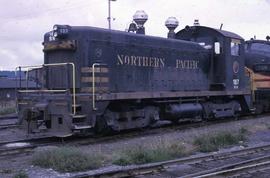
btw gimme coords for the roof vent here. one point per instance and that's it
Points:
(171, 23)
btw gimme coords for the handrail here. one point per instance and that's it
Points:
(93, 85)
(55, 64)
(252, 85)
(31, 91)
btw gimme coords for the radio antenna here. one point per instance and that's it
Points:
(221, 25)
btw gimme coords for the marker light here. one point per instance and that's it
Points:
(60, 31)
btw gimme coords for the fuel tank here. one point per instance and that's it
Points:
(185, 110)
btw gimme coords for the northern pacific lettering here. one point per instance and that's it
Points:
(156, 62)
(141, 61)
(186, 64)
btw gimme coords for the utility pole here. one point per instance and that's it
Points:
(109, 13)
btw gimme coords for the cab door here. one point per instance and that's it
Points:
(237, 64)
(218, 65)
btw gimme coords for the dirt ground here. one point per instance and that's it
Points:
(259, 129)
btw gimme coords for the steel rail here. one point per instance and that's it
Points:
(127, 171)
(7, 126)
(9, 148)
(227, 169)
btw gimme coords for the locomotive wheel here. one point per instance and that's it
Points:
(102, 126)
(259, 108)
(175, 121)
(27, 116)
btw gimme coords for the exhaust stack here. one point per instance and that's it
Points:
(196, 22)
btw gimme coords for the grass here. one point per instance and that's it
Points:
(7, 107)
(21, 174)
(213, 142)
(143, 154)
(6, 171)
(72, 159)
(66, 159)
(267, 126)
(7, 110)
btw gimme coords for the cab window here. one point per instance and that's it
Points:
(217, 48)
(235, 47)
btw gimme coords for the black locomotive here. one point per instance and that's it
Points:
(95, 80)
(257, 57)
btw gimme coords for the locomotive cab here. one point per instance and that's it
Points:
(227, 51)
(257, 56)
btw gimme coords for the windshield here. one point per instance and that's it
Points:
(260, 47)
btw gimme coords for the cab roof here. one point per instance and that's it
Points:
(190, 30)
(258, 41)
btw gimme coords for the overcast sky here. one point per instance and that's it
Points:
(23, 23)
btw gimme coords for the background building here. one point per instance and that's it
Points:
(9, 83)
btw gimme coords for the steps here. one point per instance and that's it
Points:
(253, 110)
(78, 118)
(80, 121)
(81, 127)
(80, 124)
(78, 107)
(41, 125)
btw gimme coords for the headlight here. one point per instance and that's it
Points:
(55, 27)
(55, 34)
(60, 31)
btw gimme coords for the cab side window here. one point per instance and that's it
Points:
(217, 47)
(235, 47)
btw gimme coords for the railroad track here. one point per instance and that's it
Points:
(26, 145)
(167, 128)
(5, 117)
(7, 122)
(249, 159)
(240, 169)
(134, 171)
(33, 143)
(4, 152)
(153, 130)
(8, 126)
(36, 142)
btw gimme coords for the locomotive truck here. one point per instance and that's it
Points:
(99, 80)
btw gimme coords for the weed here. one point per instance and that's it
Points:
(21, 174)
(267, 126)
(66, 159)
(8, 110)
(213, 142)
(6, 171)
(143, 154)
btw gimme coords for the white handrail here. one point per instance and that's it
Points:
(55, 64)
(93, 85)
